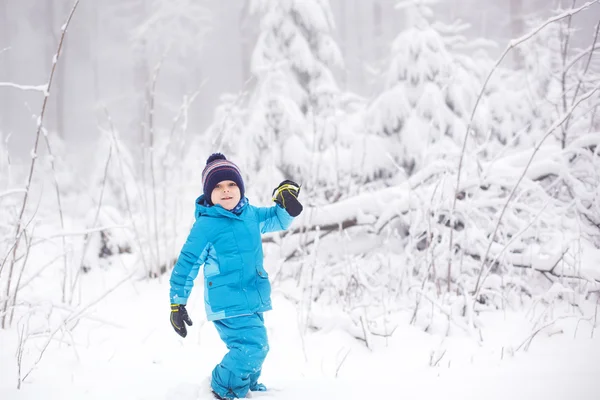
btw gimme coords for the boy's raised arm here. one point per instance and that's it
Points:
(273, 219)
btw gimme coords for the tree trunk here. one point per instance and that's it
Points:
(516, 28)
(360, 45)
(245, 42)
(95, 44)
(377, 28)
(57, 16)
(5, 62)
(344, 41)
(142, 82)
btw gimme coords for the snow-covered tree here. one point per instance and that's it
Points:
(294, 108)
(429, 92)
(175, 27)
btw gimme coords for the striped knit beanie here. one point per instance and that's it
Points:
(218, 169)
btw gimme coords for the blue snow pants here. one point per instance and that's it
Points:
(246, 339)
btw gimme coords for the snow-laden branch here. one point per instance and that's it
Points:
(554, 126)
(588, 140)
(11, 192)
(37, 88)
(549, 265)
(368, 208)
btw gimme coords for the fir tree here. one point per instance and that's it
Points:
(430, 89)
(292, 117)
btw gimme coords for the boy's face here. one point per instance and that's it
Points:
(227, 194)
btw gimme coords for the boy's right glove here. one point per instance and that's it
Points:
(286, 195)
(180, 317)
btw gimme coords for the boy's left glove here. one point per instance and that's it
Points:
(180, 317)
(286, 195)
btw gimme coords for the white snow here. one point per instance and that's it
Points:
(124, 348)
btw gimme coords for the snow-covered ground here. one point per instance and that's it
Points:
(125, 348)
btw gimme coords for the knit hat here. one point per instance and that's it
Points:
(218, 169)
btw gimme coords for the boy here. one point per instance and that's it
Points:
(226, 239)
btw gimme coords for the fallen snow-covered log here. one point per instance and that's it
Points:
(373, 208)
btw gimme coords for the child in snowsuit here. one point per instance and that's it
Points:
(226, 239)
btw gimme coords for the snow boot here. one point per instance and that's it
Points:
(216, 396)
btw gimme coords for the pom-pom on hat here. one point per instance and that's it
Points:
(218, 168)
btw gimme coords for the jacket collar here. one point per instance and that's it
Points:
(203, 208)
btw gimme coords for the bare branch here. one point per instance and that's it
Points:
(595, 319)
(20, 349)
(366, 335)
(587, 52)
(125, 194)
(591, 50)
(434, 363)
(152, 171)
(444, 311)
(527, 342)
(60, 213)
(337, 370)
(563, 80)
(558, 275)
(18, 284)
(96, 216)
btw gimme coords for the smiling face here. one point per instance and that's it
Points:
(226, 194)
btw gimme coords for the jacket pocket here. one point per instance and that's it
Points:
(263, 285)
(224, 291)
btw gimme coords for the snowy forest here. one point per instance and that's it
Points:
(448, 153)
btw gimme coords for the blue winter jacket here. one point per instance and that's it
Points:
(230, 248)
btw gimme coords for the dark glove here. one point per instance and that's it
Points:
(179, 315)
(286, 195)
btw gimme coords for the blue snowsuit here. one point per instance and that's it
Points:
(236, 286)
